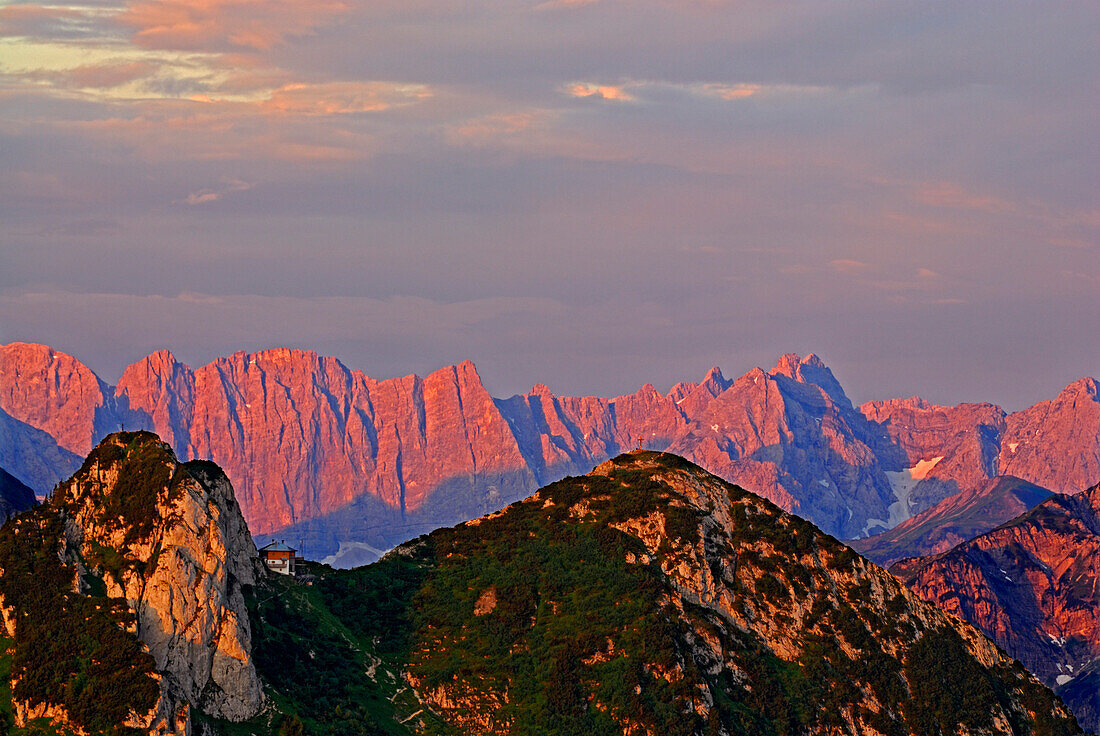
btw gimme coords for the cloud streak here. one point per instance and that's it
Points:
(669, 183)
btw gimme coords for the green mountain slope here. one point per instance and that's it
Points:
(647, 597)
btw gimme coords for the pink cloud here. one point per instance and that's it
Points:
(339, 98)
(204, 196)
(98, 76)
(603, 92)
(953, 196)
(848, 265)
(217, 131)
(553, 4)
(225, 24)
(732, 92)
(37, 20)
(490, 128)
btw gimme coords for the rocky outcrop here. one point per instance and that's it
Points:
(168, 543)
(1033, 586)
(954, 520)
(349, 466)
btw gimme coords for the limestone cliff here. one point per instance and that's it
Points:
(1056, 443)
(164, 545)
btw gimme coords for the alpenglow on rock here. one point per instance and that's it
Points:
(350, 466)
(153, 555)
(1033, 586)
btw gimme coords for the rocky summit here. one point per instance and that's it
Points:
(1031, 585)
(352, 466)
(123, 597)
(647, 597)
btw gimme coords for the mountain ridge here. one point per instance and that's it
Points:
(954, 520)
(647, 596)
(350, 464)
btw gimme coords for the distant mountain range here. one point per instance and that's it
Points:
(351, 466)
(647, 597)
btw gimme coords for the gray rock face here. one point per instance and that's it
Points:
(185, 554)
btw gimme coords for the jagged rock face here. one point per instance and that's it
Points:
(796, 442)
(954, 520)
(652, 597)
(170, 541)
(958, 445)
(304, 437)
(14, 496)
(350, 465)
(1032, 586)
(53, 392)
(1033, 437)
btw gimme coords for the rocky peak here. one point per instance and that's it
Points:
(877, 409)
(693, 398)
(788, 365)
(812, 370)
(1086, 387)
(157, 393)
(168, 541)
(1031, 586)
(715, 380)
(1035, 440)
(542, 390)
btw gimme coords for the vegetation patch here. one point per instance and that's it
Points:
(69, 650)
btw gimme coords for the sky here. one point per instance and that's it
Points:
(590, 194)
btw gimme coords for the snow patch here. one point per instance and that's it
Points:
(824, 483)
(921, 470)
(1012, 446)
(903, 482)
(1062, 679)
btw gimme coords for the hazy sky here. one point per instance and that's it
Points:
(591, 194)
